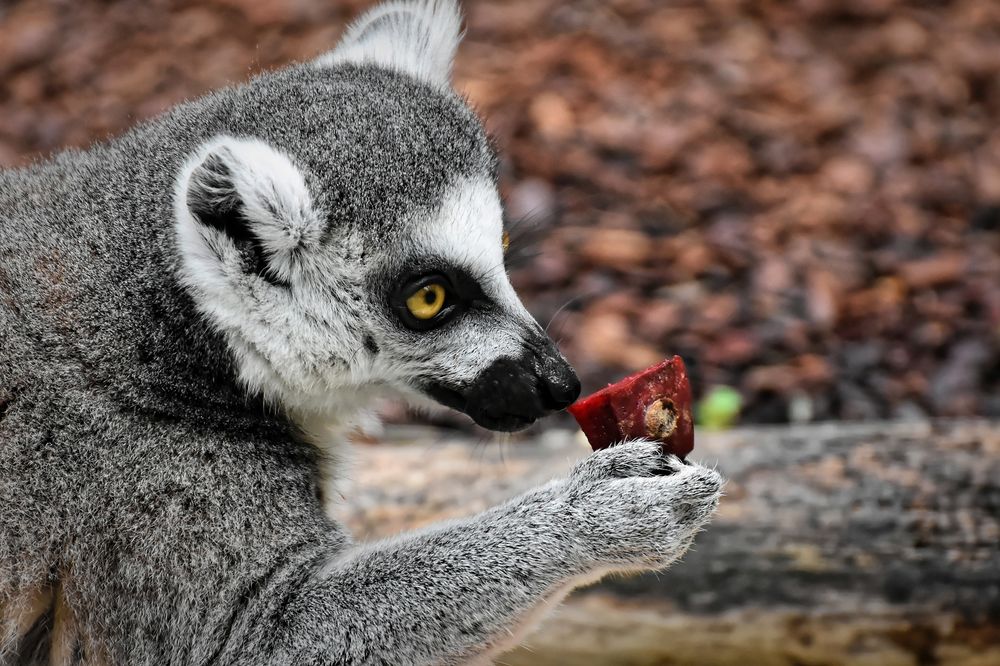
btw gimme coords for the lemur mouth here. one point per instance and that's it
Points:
(506, 423)
(500, 422)
(513, 392)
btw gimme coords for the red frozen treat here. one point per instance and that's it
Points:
(654, 403)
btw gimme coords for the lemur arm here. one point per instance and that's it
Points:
(438, 595)
(455, 591)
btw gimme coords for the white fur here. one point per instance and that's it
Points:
(468, 230)
(416, 37)
(274, 197)
(259, 320)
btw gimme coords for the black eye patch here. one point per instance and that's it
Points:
(462, 292)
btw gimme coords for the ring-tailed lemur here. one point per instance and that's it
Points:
(189, 312)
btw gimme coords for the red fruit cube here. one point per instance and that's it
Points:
(654, 404)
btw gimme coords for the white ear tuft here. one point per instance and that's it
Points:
(416, 37)
(243, 207)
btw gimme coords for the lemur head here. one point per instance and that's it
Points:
(346, 234)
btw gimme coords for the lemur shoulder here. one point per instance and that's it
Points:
(193, 313)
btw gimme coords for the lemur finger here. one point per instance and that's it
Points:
(689, 483)
(635, 458)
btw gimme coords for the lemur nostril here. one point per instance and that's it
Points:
(562, 391)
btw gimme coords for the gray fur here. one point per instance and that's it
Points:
(174, 508)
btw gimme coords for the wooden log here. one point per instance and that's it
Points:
(863, 544)
(840, 518)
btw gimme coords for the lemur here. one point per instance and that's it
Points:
(194, 314)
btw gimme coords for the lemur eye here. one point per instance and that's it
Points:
(506, 241)
(426, 302)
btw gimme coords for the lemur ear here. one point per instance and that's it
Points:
(416, 37)
(242, 206)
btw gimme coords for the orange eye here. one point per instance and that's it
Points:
(506, 242)
(426, 302)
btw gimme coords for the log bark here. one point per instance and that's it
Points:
(835, 544)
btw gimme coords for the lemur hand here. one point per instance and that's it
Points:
(631, 506)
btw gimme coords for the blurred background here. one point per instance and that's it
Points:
(800, 197)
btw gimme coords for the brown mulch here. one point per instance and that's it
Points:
(802, 198)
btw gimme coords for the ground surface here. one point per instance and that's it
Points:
(862, 545)
(801, 197)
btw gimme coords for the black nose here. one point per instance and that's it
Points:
(560, 386)
(512, 393)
